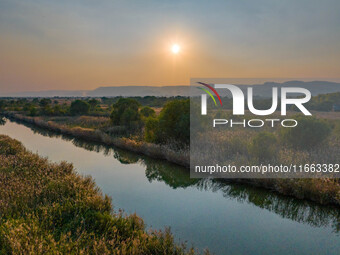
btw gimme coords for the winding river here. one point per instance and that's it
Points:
(226, 218)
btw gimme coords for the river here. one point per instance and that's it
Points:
(226, 218)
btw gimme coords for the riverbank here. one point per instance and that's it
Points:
(323, 191)
(48, 207)
(149, 149)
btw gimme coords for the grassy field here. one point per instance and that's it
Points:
(48, 208)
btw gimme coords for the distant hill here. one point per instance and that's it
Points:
(315, 87)
(260, 90)
(142, 91)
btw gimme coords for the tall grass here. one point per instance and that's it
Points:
(47, 208)
(92, 122)
(232, 147)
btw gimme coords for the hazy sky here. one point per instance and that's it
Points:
(83, 44)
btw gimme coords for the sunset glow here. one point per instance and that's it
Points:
(175, 49)
(84, 45)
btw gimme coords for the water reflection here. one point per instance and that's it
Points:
(179, 177)
(287, 207)
(2, 121)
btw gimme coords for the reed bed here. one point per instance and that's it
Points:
(47, 208)
(177, 156)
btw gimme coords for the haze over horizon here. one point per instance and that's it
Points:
(83, 45)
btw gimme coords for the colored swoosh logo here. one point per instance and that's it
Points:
(213, 90)
(208, 92)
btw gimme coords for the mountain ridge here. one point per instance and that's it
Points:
(260, 90)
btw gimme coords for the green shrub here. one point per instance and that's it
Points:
(32, 111)
(173, 124)
(58, 110)
(2, 105)
(264, 146)
(151, 129)
(147, 111)
(125, 113)
(79, 107)
(45, 102)
(93, 103)
(47, 110)
(2, 121)
(309, 133)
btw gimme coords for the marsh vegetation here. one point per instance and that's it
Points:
(164, 133)
(49, 208)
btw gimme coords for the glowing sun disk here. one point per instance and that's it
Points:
(175, 49)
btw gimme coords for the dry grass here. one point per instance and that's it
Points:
(47, 208)
(91, 122)
(230, 147)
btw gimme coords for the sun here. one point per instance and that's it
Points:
(175, 48)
